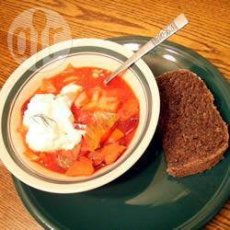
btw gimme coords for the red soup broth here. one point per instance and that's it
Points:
(110, 114)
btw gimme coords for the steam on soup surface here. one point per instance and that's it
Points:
(75, 125)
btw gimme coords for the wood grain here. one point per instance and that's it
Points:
(208, 33)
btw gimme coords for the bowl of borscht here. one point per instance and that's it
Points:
(63, 130)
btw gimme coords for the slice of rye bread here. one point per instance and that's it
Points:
(195, 136)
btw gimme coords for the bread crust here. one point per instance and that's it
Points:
(194, 134)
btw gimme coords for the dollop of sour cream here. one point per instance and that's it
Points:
(50, 122)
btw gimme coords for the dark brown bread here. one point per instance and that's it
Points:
(194, 135)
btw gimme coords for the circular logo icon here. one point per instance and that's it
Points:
(36, 29)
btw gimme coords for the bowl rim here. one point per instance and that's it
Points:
(104, 179)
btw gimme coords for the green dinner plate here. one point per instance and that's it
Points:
(145, 197)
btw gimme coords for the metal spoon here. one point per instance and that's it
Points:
(178, 23)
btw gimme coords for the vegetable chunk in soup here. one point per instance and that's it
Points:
(76, 125)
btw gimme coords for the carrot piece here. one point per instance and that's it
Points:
(108, 154)
(129, 109)
(92, 138)
(97, 157)
(81, 167)
(116, 135)
(112, 152)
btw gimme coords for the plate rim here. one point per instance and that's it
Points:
(217, 201)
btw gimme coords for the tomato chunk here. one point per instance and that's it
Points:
(100, 126)
(49, 161)
(129, 125)
(81, 116)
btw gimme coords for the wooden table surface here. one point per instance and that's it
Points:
(208, 33)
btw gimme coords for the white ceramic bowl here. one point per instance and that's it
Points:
(48, 62)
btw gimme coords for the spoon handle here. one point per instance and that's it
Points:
(178, 23)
